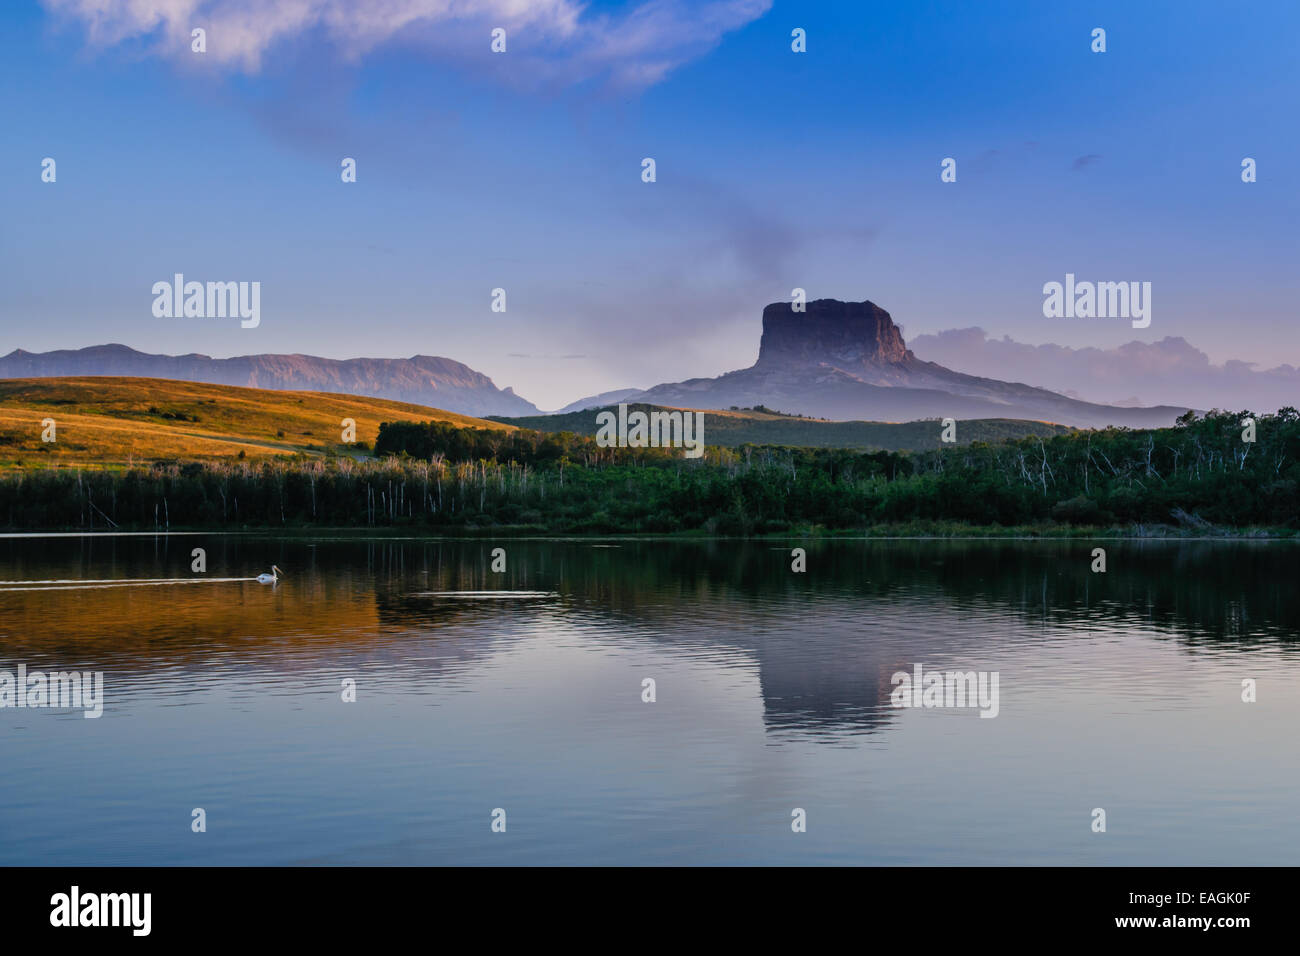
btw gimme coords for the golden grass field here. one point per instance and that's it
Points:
(112, 421)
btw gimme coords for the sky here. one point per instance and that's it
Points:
(522, 170)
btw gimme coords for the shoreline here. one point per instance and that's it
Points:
(883, 533)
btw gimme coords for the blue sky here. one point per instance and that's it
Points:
(522, 171)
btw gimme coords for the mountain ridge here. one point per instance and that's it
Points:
(846, 361)
(849, 361)
(430, 380)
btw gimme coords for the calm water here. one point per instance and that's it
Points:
(1119, 690)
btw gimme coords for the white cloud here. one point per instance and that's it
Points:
(554, 40)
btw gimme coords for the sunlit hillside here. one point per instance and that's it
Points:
(119, 421)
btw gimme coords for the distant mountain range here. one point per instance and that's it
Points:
(419, 380)
(1168, 370)
(598, 401)
(839, 360)
(848, 360)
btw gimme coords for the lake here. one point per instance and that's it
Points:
(524, 691)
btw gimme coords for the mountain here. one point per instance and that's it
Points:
(598, 401)
(1167, 370)
(848, 360)
(419, 380)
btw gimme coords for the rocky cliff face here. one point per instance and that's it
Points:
(846, 335)
(421, 380)
(848, 360)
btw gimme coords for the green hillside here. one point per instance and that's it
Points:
(738, 427)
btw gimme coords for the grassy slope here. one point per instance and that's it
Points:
(107, 421)
(734, 428)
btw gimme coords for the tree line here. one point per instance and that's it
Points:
(1201, 474)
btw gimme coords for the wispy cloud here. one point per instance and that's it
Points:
(548, 41)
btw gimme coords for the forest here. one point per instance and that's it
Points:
(1219, 473)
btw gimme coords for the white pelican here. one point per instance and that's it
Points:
(271, 578)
